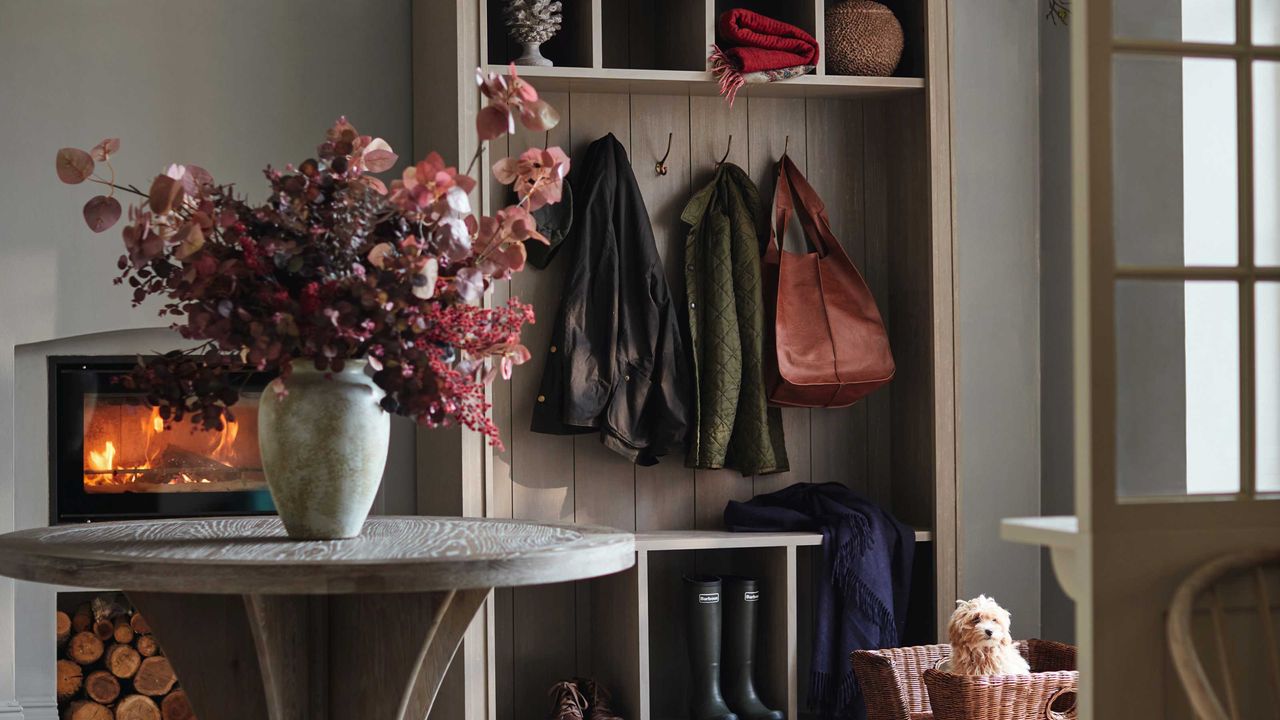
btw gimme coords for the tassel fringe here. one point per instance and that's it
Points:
(831, 696)
(726, 73)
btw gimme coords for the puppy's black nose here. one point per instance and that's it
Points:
(988, 633)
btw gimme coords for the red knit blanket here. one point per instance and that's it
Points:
(754, 42)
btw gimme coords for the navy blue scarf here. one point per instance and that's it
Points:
(861, 598)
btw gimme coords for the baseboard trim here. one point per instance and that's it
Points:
(45, 708)
(10, 710)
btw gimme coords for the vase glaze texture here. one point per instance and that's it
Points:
(324, 448)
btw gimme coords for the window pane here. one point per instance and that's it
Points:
(1197, 21)
(1177, 388)
(1174, 161)
(1266, 22)
(1267, 385)
(1266, 162)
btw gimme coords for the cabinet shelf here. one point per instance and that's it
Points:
(700, 82)
(661, 540)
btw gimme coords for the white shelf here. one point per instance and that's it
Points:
(721, 539)
(1059, 533)
(700, 82)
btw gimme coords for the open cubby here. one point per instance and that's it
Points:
(638, 618)
(654, 34)
(802, 14)
(571, 47)
(911, 16)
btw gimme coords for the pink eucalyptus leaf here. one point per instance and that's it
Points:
(506, 170)
(424, 283)
(470, 285)
(189, 238)
(105, 149)
(379, 254)
(493, 122)
(378, 156)
(164, 194)
(74, 165)
(539, 115)
(101, 212)
(195, 179)
(514, 256)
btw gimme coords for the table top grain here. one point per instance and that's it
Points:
(253, 555)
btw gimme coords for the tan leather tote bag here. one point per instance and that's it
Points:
(830, 348)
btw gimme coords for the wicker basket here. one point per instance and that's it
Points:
(893, 684)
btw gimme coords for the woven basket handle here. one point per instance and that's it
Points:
(1069, 713)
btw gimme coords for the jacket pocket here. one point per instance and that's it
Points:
(626, 414)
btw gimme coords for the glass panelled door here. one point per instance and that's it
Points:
(1177, 161)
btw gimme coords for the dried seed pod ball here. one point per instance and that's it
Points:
(863, 38)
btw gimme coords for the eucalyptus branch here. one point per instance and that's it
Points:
(110, 183)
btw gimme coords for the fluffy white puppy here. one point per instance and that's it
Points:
(981, 643)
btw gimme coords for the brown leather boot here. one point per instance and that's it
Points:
(597, 700)
(568, 702)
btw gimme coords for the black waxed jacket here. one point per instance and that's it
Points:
(617, 363)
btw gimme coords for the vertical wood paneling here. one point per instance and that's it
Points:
(853, 153)
(712, 122)
(604, 492)
(541, 484)
(541, 465)
(912, 423)
(771, 121)
(604, 487)
(835, 170)
(876, 161)
(664, 492)
(501, 496)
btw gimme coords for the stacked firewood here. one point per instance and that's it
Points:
(111, 668)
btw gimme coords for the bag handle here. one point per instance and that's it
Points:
(791, 192)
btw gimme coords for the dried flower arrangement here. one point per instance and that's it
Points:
(335, 266)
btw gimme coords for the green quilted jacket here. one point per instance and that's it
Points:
(733, 427)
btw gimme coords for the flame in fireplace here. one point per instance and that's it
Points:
(184, 455)
(104, 461)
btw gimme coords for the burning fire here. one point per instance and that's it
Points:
(105, 460)
(173, 454)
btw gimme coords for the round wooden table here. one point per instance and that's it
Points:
(260, 627)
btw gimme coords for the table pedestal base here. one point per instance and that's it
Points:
(310, 657)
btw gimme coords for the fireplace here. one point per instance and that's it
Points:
(113, 458)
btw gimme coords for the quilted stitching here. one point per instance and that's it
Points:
(733, 428)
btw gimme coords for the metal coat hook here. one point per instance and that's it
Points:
(660, 167)
(726, 152)
(786, 145)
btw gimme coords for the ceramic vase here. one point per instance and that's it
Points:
(324, 447)
(532, 55)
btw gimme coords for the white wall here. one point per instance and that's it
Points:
(231, 85)
(996, 141)
(1057, 462)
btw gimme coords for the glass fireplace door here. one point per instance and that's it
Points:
(115, 458)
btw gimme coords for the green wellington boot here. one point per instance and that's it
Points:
(702, 598)
(741, 599)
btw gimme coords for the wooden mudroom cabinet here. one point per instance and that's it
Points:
(878, 151)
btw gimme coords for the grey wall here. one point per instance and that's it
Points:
(231, 85)
(996, 141)
(1057, 488)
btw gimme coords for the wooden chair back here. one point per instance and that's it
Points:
(1244, 583)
